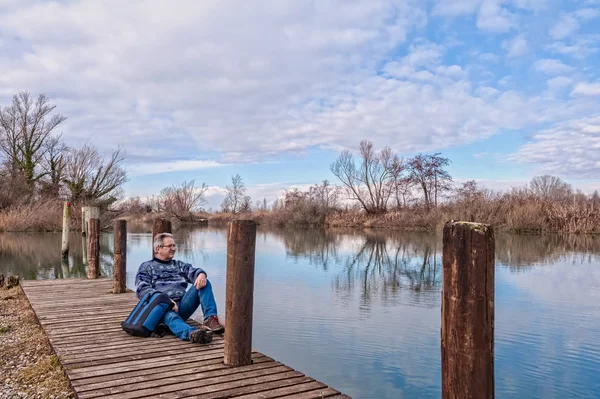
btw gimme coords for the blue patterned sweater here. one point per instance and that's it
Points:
(170, 278)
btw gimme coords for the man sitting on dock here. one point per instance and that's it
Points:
(171, 277)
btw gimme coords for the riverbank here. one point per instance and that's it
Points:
(533, 218)
(511, 214)
(28, 367)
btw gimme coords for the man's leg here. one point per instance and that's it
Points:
(209, 309)
(177, 325)
(183, 331)
(205, 298)
(194, 297)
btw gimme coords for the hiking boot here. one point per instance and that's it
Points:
(213, 323)
(202, 335)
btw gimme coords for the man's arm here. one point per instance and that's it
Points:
(143, 282)
(190, 272)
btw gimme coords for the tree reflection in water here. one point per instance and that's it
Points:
(385, 264)
(378, 263)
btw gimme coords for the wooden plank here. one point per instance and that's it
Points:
(282, 392)
(99, 359)
(199, 387)
(115, 318)
(150, 344)
(143, 364)
(242, 389)
(316, 394)
(166, 378)
(109, 354)
(189, 366)
(124, 339)
(82, 319)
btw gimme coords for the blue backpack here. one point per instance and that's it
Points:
(147, 314)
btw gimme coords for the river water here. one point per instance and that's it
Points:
(360, 310)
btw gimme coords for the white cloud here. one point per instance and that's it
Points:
(569, 23)
(586, 14)
(587, 89)
(570, 149)
(559, 82)
(496, 185)
(149, 168)
(455, 7)
(564, 27)
(492, 15)
(579, 47)
(213, 191)
(552, 66)
(494, 18)
(516, 47)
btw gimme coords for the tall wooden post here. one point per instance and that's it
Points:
(239, 297)
(160, 225)
(64, 250)
(93, 249)
(120, 257)
(467, 333)
(87, 213)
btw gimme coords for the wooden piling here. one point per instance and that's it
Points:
(93, 248)
(160, 225)
(120, 257)
(64, 250)
(241, 243)
(467, 333)
(87, 213)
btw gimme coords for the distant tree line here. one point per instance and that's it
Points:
(415, 192)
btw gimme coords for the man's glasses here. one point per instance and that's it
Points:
(169, 246)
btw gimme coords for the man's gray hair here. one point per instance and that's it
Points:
(159, 239)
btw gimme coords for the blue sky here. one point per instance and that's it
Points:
(274, 90)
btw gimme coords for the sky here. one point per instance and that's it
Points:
(275, 90)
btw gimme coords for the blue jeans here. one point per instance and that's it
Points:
(187, 306)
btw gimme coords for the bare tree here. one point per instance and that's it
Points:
(550, 188)
(595, 198)
(427, 171)
(402, 190)
(54, 165)
(181, 201)
(372, 182)
(235, 199)
(469, 192)
(25, 128)
(324, 196)
(90, 179)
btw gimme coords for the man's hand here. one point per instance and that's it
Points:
(200, 281)
(175, 307)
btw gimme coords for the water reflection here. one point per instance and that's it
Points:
(37, 255)
(517, 251)
(379, 263)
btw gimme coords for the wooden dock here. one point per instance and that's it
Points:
(82, 320)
